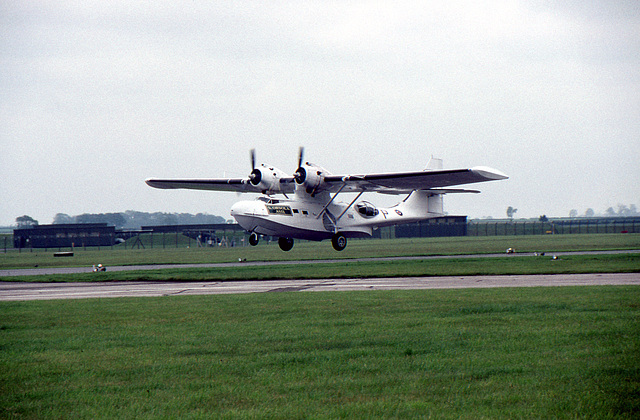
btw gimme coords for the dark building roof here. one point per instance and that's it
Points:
(64, 235)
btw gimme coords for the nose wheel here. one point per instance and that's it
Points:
(339, 242)
(285, 244)
(254, 239)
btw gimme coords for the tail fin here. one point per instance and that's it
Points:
(423, 203)
(434, 164)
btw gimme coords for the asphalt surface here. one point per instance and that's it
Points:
(15, 291)
(19, 291)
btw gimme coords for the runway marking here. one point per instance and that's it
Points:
(300, 288)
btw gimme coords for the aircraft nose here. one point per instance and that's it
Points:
(242, 208)
(248, 208)
(244, 213)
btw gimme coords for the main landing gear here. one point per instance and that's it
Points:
(285, 244)
(339, 242)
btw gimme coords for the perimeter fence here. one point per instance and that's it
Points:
(553, 227)
(233, 235)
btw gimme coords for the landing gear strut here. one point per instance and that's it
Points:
(285, 244)
(339, 242)
(254, 239)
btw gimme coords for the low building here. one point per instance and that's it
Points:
(437, 227)
(193, 228)
(65, 235)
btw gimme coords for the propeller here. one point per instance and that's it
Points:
(300, 174)
(255, 176)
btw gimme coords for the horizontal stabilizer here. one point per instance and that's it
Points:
(451, 191)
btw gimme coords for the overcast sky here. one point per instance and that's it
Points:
(97, 96)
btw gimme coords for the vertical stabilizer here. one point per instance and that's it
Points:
(423, 203)
(434, 164)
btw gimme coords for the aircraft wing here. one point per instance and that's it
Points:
(404, 182)
(437, 181)
(215, 184)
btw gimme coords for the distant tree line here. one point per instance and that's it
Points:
(622, 211)
(26, 221)
(135, 219)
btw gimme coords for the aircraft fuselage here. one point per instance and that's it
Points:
(314, 220)
(313, 212)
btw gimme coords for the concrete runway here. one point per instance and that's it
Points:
(10, 291)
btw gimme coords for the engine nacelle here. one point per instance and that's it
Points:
(266, 178)
(309, 177)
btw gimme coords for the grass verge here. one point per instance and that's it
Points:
(323, 250)
(493, 353)
(513, 265)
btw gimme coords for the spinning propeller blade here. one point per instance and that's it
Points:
(255, 176)
(300, 174)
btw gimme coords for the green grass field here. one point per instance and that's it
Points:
(508, 265)
(512, 264)
(562, 352)
(322, 250)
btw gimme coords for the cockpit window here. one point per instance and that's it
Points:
(366, 209)
(279, 209)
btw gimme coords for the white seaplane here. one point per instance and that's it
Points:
(313, 213)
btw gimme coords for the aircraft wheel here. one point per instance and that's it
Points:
(254, 239)
(285, 244)
(339, 242)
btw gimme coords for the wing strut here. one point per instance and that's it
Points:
(349, 206)
(331, 201)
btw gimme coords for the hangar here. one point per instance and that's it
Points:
(65, 236)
